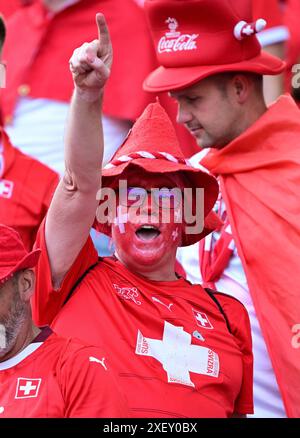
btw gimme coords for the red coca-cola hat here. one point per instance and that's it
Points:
(152, 147)
(197, 38)
(13, 255)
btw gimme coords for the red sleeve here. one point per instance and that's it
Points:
(46, 301)
(240, 327)
(89, 387)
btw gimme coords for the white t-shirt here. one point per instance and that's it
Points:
(38, 130)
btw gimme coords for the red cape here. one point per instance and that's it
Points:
(260, 180)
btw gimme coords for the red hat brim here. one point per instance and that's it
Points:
(30, 260)
(175, 78)
(197, 177)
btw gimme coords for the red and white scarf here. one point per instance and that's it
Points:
(214, 254)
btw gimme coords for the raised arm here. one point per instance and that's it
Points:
(74, 204)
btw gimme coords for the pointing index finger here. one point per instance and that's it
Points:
(103, 33)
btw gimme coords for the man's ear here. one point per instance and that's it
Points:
(26, 283)
(240, 87)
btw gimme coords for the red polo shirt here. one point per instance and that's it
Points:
(55, 377)
(26, 189)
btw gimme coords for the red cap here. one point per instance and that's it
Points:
(152, 146)
(197, 38)
(13, 255)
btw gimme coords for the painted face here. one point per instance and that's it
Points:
(146, 237)
(208, 112)
(12, 316)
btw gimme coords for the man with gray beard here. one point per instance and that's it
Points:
(16, 317)
(42, 374)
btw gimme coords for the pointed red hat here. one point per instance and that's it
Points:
(152, 146)
(13, 255)
(195, 39)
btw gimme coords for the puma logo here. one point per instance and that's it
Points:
(94, 359)
(168, 306)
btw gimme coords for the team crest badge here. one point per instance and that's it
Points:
(27, 388)
(128, 293)
(202, 319)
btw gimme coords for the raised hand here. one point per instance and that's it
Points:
(90, 64)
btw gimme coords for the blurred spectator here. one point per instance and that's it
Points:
(26, 185)
(26, 189)
(7, 8)
(40, 41)
(41, 373)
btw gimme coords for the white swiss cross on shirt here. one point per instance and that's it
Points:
(178, 356)
(27, 388)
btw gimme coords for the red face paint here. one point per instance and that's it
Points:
(145, 243)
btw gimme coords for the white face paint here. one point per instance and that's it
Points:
(178, 215)
(2, 336)
(175, 234)
(110, 244)
(121, 219)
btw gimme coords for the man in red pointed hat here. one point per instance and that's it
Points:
(179, 350)
(212, 64)
(41, 373)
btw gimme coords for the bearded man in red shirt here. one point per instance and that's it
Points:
(41, 373)
(178, 350)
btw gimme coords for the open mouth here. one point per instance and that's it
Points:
(147, 232)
